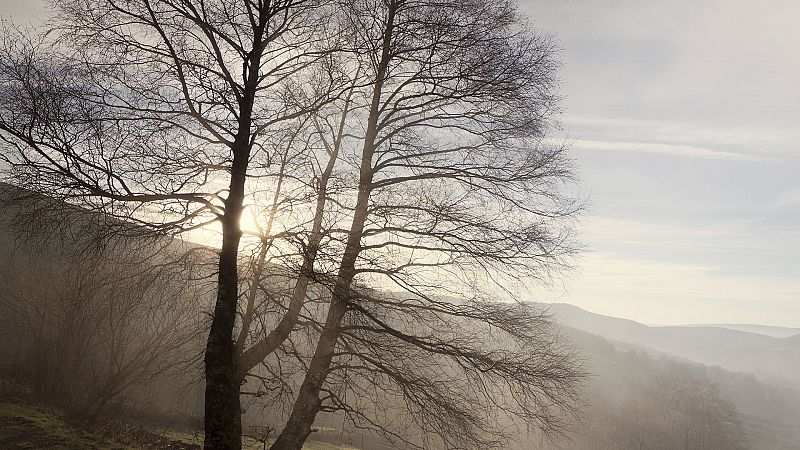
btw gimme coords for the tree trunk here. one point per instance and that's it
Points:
(223, 410)
(308, 403)
(223, 422)
(223, 427)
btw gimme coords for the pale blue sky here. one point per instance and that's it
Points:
(683, 119)
(682, 116)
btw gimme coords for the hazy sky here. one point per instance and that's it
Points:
(683, 118)
(684, 121)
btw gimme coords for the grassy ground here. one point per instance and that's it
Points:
(248, 443)
(25, 426)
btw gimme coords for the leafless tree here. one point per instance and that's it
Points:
(681, 409)
(697, 415)
(454, 190)
(157, 112)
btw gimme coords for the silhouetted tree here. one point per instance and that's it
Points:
(158, 112)
(454, 188)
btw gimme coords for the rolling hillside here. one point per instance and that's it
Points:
(771, 359)
(769, 414)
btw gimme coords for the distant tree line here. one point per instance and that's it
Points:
(635, 401)
(672, 411)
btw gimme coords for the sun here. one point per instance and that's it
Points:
(250, 222)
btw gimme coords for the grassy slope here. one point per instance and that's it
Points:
(23, 426)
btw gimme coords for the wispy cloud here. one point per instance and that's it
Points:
(787, 199)
(664, 292)
(614, 232)
(666, 149)
(755, 139)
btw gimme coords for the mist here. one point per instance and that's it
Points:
(398, 224)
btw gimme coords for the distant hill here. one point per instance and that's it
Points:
(769, 414)
(769, 330)
(772, 359)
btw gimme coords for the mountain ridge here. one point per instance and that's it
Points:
(768, 330)
(772, 359)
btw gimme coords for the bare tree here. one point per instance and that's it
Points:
(679, 407)
(157, 112)
(454, 189)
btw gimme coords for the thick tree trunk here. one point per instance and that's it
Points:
(223, 411)
(223, 422)
(223, 426)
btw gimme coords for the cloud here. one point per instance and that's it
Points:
(690, 151)
(663, 292)
(614, 232)
(755, 139)
(787, 199)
